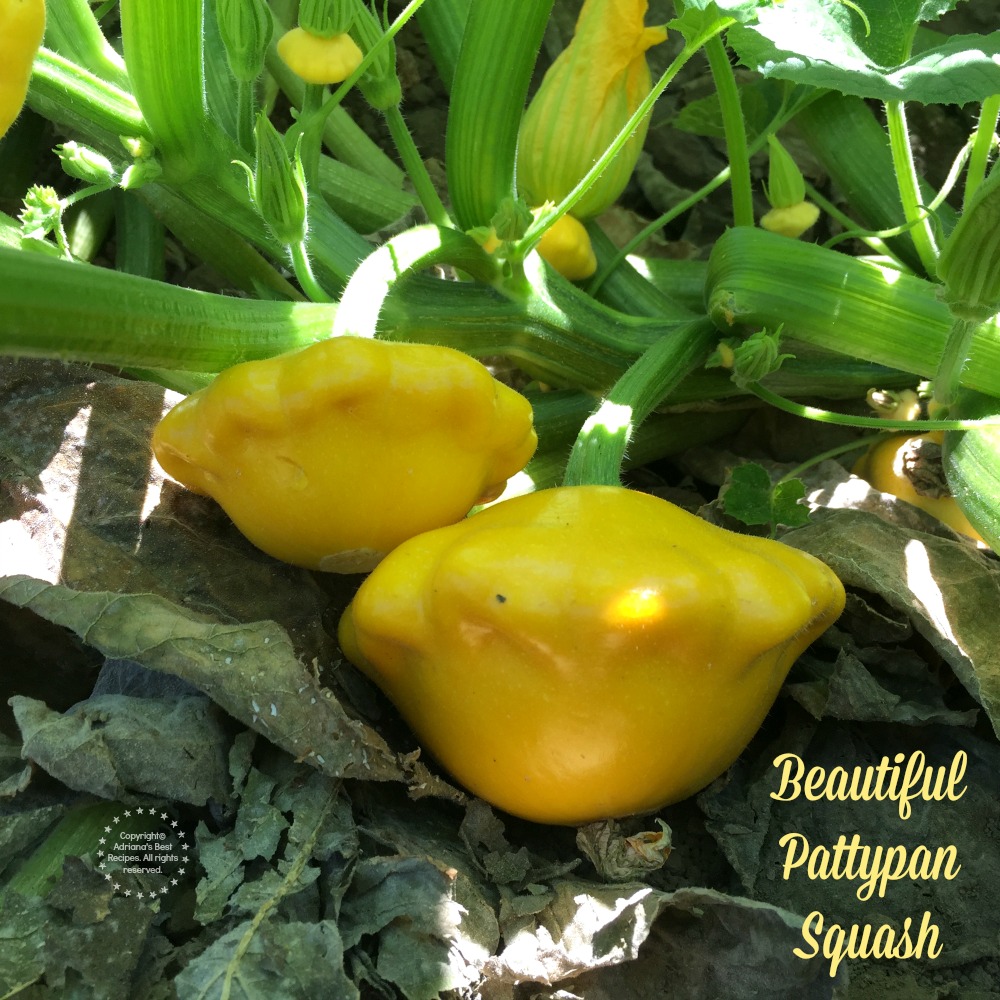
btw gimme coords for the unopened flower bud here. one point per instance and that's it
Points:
(791, 215)
(792, 221)
(588, 94)
(246, 28)
(326, 18)
(279, 185)
(379, 83)
(86, 164)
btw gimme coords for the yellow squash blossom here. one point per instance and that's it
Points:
(588, 94)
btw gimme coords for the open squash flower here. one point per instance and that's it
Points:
(22, 24)
(587, 95)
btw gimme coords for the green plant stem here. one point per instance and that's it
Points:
(304, 272)
(599, 449)
(956, 352)
(77, 100)
(490, 85)
(835, 452)
(982, 147)
(163, 47)
(72, 30)
(856, 308)
(849, 420)
(873, 240)
(245, 112)
(415, 169)
(735, 131)
(442, 24)
(909, 184)
(51, 308)
(311, 132)
(655, 226)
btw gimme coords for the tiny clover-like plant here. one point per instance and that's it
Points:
(752, 498)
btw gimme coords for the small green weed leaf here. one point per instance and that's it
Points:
(785, 504)
(751, 497)
(824, 44)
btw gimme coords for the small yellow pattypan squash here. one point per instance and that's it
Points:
(586, 652)
(908, 466)
(792, 220)
(566, 246)
(22, 25)
(319, 60)
(790, 215)
(331, 456)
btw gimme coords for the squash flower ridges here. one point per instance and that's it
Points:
(331, 456)
(587, 95)
(586, 652)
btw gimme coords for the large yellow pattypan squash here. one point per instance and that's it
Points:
(331, 456)
(586, 652)
(22, 25)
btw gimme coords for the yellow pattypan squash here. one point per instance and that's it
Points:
(566, 246)
(890, 466)
(319, 60)
(586, 652)
(330, 456)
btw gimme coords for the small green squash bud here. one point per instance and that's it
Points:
(588, 94)
(791, 215)
(279, 185)
(86, 164)
(379, 83)
(326, 18)
(246, 28)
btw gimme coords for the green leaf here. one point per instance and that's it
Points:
(294, 961)
(751, 498)
(113, 744)
(251, 670)
(785, 505)
(712, 10)
(824, 44)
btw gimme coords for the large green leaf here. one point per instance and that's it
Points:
(824, 43)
